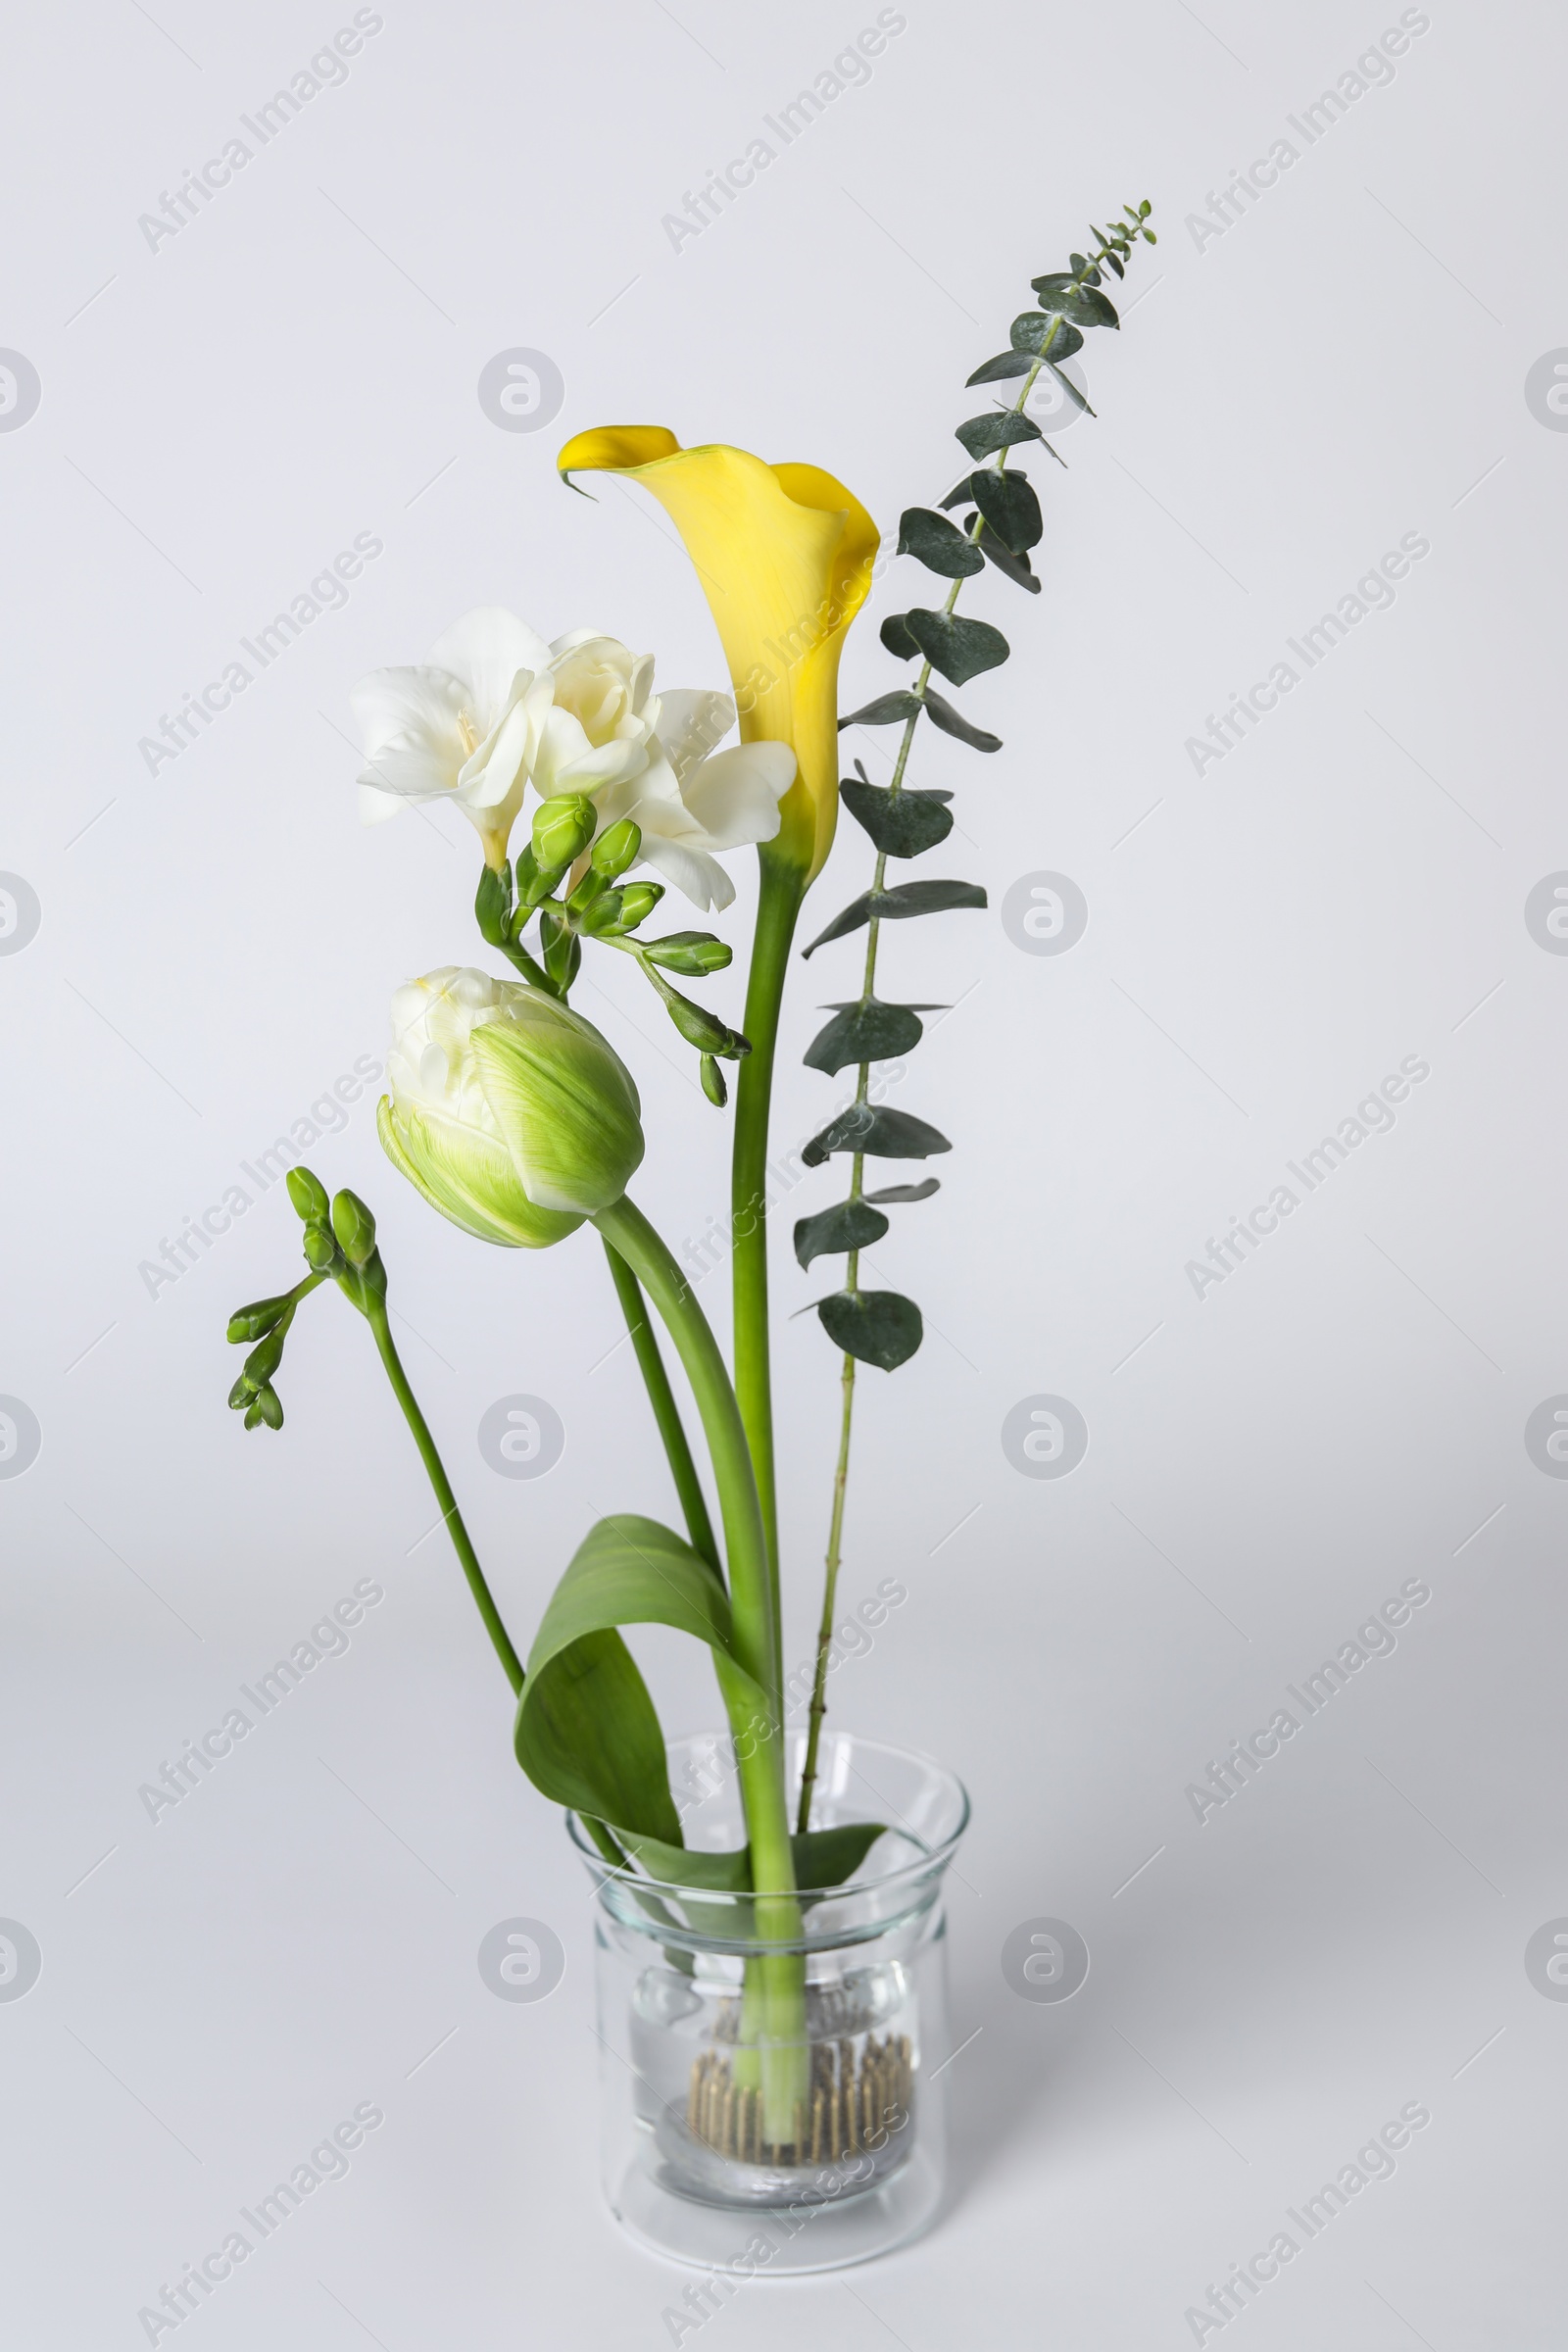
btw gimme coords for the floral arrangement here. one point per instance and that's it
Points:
(516, 1120)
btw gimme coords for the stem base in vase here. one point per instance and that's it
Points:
(702, 2163)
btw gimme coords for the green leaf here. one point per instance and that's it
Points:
(892, 1193)
(827, 1857)
(934, 542)
(960, 649)
(1010, 509)
(896, 637)
(952, 722)
(875, 1327)
(1006, 364)
(822, 1858)
(963, 496)
(902, 824)
(586, 1731)
(884, 712)
(1031, 331)
(1016, 569)
(847, 1225)
(896, 906)
(863, 1032)
(1000, 429)
(1083, 305)
(1070, 388)
(901, 703)
(878, 1132)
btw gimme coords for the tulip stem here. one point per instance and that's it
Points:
(781, 890)
(484, 1599)
(777, 1979)
(666, 1412)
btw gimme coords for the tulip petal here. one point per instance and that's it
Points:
(566, 1106)
(463, 1175)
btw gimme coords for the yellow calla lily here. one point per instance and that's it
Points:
(784, 553)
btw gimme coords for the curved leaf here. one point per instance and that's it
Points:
(999, 429)
(1031, 331)
(1010, 509)
(877, 1131)
(1070, 300)
(906, 1192)
(1016, 569)
(586, 1731)
(884, 712)
(952, 722)
(847, 1225)
(823, 1858)
(1006, 364)
(959, 648)
(893, 906)
(903, 824)
(937, 544)
(896, 639)
(866, 1031)
(875, 1327)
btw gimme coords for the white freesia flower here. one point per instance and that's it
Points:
(495, 709)
(463, 725)
(691, 800)
(508, 1111)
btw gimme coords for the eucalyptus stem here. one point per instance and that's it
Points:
(834, 1555)
(484, 1600)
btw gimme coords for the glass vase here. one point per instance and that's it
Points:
(775, 2107)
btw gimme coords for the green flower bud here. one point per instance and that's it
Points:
(617, 849)
(321, 1250)
(508, 1111)
(692, 953)
(592, 886)
(242, 1394)
(255, 1322)
(266, 1409)
(492, 905)
(562, 828)
(354, 1226)
(262, 1361)
(637, 903)
(712, 1078)
(308, 1193)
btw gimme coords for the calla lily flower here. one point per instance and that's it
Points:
(784, 553)
(508, 1111)
(463, 725)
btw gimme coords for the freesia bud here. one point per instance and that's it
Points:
(267, 1408)
(689, 953)
(637, 903)
(354, 1225)
(262, 1361)
(712, 1078)
(562, 828)
(321, 1250)
(508, 1111)
(617, 849)
(255, 1322)
(308, 1193)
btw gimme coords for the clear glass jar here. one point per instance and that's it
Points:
(774, 2107)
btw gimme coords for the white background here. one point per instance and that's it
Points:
(219, 941)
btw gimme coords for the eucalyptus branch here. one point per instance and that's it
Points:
(880, 1327)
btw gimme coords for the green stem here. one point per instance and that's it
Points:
(830, 1585)
(375, 1315)
(666, 1412)
(778, 1978)
(781, 890)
